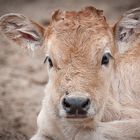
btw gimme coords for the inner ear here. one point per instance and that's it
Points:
(125, 33)
(32, 36)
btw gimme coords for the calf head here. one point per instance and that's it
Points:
(79, 63)
(80, 50)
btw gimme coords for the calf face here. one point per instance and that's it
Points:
(79, 57)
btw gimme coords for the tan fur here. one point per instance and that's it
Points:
(76, 42)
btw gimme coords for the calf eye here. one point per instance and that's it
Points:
(106, 58)
(49, 61)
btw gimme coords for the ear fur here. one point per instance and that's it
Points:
(21, 30)
(127, 30)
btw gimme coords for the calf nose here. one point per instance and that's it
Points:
(77, 106)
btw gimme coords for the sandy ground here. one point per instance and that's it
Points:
(22, 75)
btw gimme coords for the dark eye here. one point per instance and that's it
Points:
(49, 61)
(106, 58)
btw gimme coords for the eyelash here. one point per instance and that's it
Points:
(49, 61)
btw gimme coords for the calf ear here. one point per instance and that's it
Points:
(127, 30)
(21, 30)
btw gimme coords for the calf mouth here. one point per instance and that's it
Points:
(76, 116)
(79, 120)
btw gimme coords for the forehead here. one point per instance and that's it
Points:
(82, 32)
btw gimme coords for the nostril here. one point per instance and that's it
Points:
(85, 105)
(66, 105)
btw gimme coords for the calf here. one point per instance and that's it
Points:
(93, 90)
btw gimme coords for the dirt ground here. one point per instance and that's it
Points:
(23, 75)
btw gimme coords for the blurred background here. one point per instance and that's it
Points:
(22, 75)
